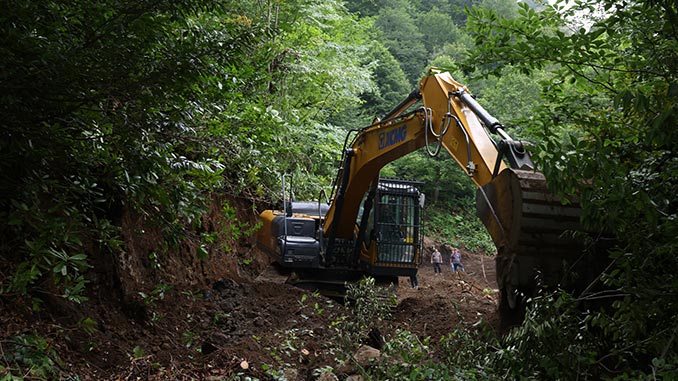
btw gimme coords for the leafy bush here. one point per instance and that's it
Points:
(30, 355)
(105, 103)
(462, 229)
(608, 138)
(370, 305)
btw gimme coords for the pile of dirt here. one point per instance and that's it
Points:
(175, 317)
(450, 300)
(235, 327)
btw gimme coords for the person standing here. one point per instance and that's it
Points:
(437, 260)
(455, 260)
(414, 281)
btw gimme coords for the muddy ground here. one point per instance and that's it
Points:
(245, 327)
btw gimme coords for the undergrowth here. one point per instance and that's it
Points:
(461, 229)
(556, 342)
(28, 356)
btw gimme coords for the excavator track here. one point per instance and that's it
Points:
(334, 284)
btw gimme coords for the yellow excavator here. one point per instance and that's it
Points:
(372, 226)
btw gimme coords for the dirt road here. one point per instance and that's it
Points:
(237, 327)
(447, 300)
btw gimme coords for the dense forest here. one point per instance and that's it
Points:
(158, 108)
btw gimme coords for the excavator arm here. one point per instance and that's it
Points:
(448, 119)
(524, 220)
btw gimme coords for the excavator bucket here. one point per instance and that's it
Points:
(532, 231)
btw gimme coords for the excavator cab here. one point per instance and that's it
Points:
(393, 233)
(386, 242)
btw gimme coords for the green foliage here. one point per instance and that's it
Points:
(370, 305)
(370, 301)
(30, 355)
(607, 134)
(138, 352)
(113, 108)
(437, 29)
(327, 74)
(468, 352)
(91, 125)
(462, 357)
(224, 233)
(412, 362)
(403, 39)
(287, 351)
(512, 98)
(290, 344)
(444, 181)
(392, 85)
(459, 227)
(550, 325)
(88, 325)
(319, 305)
(318, 73)
(158, 293)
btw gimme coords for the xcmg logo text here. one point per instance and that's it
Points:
(389, 138)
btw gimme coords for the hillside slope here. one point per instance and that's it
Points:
(220, 318)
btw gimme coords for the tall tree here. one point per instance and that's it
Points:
(403, 39)
(437, 29)
(320, 75)
(391, 82)
(112, 106)
(616, 92)
(102, 105)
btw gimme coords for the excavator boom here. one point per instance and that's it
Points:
(445, 119)
(524, 220)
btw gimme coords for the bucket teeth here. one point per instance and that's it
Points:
(527, 224)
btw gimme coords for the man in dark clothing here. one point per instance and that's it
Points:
(455, 260)
(437, 260)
